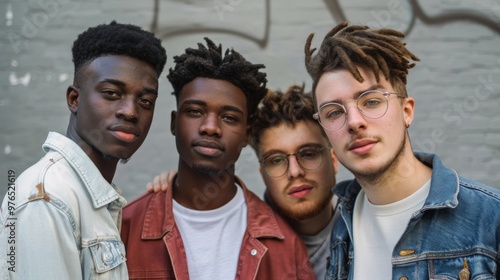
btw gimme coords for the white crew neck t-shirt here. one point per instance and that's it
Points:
(213, 238)
(377, 229)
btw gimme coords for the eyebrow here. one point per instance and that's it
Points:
(356, 95)
(122, 85)
(203, 103)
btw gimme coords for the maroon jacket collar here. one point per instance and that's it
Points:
(159, 218)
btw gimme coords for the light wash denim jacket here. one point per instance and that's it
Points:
(66, 222)
(457, 231)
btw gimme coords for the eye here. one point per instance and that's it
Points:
(275, 160)
(333, 112)
(147, 102)
(111, 94)
(309, 154)
(373, 102)
(194, 112)
(230, 118)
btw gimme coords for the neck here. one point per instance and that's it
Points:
(203, 191)
(313, 225)
(403, 178)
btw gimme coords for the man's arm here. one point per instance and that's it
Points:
(43, 243)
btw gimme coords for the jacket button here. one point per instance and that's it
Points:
(403, 278)
(253, 252)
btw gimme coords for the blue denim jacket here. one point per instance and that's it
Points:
(457, 231)
(66, 220)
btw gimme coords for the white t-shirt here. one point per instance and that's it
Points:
(377, 229)
(213, 238)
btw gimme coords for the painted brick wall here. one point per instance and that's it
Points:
(456, 85)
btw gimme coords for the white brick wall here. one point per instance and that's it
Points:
(456, 85)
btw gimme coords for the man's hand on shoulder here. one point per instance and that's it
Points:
(162, 182)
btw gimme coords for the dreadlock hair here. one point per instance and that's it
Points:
(208, 62)
(118, 39)
(350, 47)
(278, 108)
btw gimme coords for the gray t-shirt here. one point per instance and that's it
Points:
(318, 246)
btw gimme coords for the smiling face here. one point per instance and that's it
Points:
(298, 194)
(210, 125)
(366, 147)
(112, 105)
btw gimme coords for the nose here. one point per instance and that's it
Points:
(355, 119)
(211, 126)
(127, 110)
(294, 168)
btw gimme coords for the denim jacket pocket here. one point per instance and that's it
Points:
(473, 267)
(107, 254)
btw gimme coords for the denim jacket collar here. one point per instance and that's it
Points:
(100, 191)
(444, 185)
(261, 223)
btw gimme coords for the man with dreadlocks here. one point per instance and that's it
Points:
(298, 167)
(405, 215)
(67, 211)
(208, 225)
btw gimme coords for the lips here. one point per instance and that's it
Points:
(208, 148)
(124, 133)
(299, 191)
(362, 146)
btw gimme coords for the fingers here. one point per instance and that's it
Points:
(149, 187)
(167, 179)
(156, 183)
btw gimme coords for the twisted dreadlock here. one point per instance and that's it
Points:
(208, 62)
(348, 47)
(279, 108)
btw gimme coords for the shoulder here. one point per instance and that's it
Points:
(141, 204)
(478, 195)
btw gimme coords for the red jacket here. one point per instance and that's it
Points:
(270, 248)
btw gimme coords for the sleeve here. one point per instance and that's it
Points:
(45, 243)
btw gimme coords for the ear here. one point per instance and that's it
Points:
(335, 161)
(408, 110)
(72, 98)
(173, 117)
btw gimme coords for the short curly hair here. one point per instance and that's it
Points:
(208, 62)
(347, 47)
(118, 39)
(278, 108)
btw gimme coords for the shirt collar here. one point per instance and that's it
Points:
(100, 191)
(159, 218)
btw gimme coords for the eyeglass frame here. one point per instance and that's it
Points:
(384, 93)
(287, 156)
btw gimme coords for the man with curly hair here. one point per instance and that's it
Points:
(67, 213)
(208, 225)
(405, 215)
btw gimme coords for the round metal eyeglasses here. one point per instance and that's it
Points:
(373, 104)
(276, 165)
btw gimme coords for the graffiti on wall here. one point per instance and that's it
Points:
(490, 19)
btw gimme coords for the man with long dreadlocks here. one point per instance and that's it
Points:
(208, 225)
(405, 215)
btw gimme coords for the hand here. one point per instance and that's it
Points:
(162, 182)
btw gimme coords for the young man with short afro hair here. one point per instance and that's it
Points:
(67, 210)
